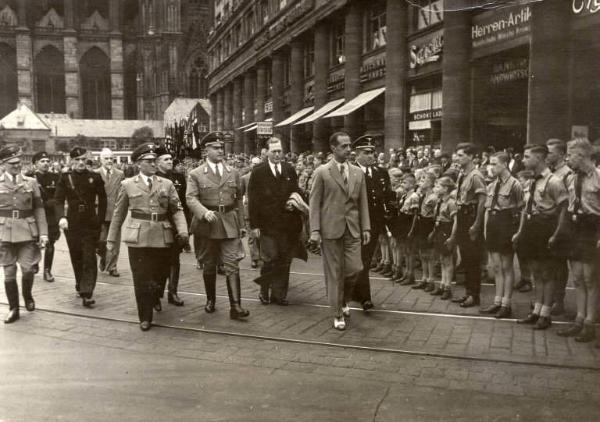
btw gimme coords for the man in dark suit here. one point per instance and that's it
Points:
(380, 198)
(274, 222)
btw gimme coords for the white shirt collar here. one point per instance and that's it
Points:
(214, 166)
(145, 178)
(278, 165)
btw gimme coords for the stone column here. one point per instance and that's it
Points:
(296, 93)
(238, 144)
(249, 105)
(71, 43)
(456, 76)
(321, 127)
(395, 74)
(228, 114)
(220, 110)
(24, 58)
(213, 113)
(116, 62)
(261, 91)
(277, 70)
(549, 66)
(353, 51)
(114, 15)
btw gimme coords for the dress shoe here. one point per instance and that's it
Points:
(237, 312)
(145, 325)
(530, 319)
(526, 287)
(280, 302)
(558, 308)
(469, 302)
(346, 311)
(209, 308)
(542, 323)
(12, 316)
(30, 305)
(387, 271)
(87, 302)
(158, 306)
(397, 275)
(421, 285)
(339, 324)
(114, 273)
(459, 299)
(586, 335)
(48, 276)
(492, 309)
(408, 280)
(570, 331)
(429, 288)
(378, 268)
(263, 299)
(373, 265)
(438, 291)
(254, 264)
(174, 299)
(503, 312)
(446, 294)
(367, 304)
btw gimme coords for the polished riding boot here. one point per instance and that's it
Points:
(27, 283)
(235, 297)
(173, 298)
(48, 259)
(12, 294)
(210, 286)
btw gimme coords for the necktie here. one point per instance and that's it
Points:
(496, 192)
(217, 171)
(343, 173)
(277, 174)
(108, 174)
(14, 176)
(149, 183)
(437, 210)
(532, 193)
(578, 188)
(461, 176)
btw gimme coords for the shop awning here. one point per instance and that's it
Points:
(356, 102)
(246, 126)
(295, 116)
(419, 125)
(321, 112)
(253, 126)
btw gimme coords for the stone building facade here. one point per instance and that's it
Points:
(101, 59)
(432, 72)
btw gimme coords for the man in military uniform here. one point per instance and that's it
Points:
(23, 230)
(82, 190)
(47, 182)
(164, 168)
(380, 198)
(112, 178)
(215, 200)
(155, 214)
(467, 230)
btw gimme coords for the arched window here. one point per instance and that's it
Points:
(49, 71)
(8, 80)
(94, 69)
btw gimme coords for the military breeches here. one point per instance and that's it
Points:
(212, 252)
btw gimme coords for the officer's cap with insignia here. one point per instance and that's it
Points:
(9, 153)
(213, 139)
(160, 151)
(144, 152)
(77, 152)
(39, 155)
(364, 143)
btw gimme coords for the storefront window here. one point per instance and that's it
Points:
(339, 41)
(428, 13)
(376, 27)
(425, 113)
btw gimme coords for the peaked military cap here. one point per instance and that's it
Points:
(9, 152)
(39, 155)
(77, 152)
(160, 150)
(213, 139)
(143, 152)
(364, 142)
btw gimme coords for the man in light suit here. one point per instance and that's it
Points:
(339, 218)
(112, 178)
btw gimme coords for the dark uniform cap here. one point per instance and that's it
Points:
(143, 152)
(213, 139)
(9, 152)
(364, 142)
(77, 152)
(159, 151)
(39, 155)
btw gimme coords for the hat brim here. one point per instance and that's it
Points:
(147, 156)
(7, 160)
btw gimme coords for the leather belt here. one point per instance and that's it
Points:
(221, 208)
(16, 213)
(150, 216)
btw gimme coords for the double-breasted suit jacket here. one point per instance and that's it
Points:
(148, 225)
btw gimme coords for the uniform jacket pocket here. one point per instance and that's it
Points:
(131, 233)
(168, 232)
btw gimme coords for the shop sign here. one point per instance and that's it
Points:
(269, 106)
(427, 50)
(264, 128)
(585, 7)
(373, 68)
(510, 71)
(500, 25)
(426, 115)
